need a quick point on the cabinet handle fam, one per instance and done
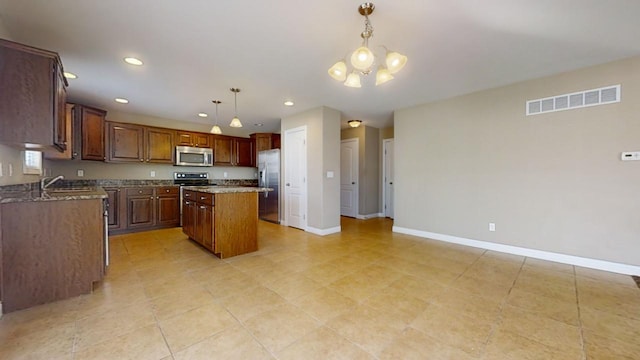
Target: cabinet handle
(151, 198)
(141, 159)
(167, 190)
(201, 197)
(187, 202)
(158, 197)
(139, 191)
(202, 207)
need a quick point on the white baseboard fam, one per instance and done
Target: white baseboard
(323, 232)
(369, 216)
(538, 254)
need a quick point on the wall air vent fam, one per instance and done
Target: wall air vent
(593, 97)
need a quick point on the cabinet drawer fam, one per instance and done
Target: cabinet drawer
(139, 191)
(189, 195)
(204, 198)
(167, 190)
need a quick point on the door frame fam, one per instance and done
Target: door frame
(285, 169)
(385, 144)
(357, 174)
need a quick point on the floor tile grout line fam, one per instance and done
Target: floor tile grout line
(582, 342)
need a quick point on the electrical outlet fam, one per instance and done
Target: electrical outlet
(152, 173)
(630, 156)
(0, 169)
(492, 227)
(80, 173)
(10, 169)
(225, 174)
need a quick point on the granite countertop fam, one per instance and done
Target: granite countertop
(52, 194)
(226, 189)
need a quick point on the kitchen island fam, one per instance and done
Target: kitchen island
(223, 219)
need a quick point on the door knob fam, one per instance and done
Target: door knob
(391, 183)
(288, 184)
(353, 183)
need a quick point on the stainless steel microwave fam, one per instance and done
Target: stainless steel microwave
(193, 156)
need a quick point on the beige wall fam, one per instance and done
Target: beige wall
(386, 133)
(323, 154)
(368, 167)
(552, 182)
(101, 170)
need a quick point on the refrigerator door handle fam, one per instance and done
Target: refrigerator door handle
(265, 180)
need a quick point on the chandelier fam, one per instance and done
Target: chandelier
(235, 122)
(216, 129)
(362, 60)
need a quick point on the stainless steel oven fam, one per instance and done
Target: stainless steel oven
(189, 179)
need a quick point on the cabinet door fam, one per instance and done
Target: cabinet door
(223, 153)
(90, 123)
(140, 208)
(68, 153)
(189, 218)
(125, 142)
(168, 206)
(114, 202)
(60, 134)
(184, 138)
(202, 140)
(204, 225)
(244, 152)
(160, 145)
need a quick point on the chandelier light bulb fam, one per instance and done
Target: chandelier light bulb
(353, 80)
(338, 71)
(383, 75)
(362, 58)
(395, 61)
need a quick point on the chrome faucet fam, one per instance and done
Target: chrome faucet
(44, 184)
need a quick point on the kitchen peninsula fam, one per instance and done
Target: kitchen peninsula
(222, 219)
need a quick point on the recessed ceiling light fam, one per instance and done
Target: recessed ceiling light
(259, 124)
(288, 103)
(133, 61)
(69, 75)
(202, 114)
(122, 100)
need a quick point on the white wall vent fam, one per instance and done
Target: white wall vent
(593, 97)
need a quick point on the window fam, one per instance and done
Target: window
(32, 162)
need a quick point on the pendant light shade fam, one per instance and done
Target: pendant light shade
(353, 80)
(395, 61)
(362, 58)
(235, 122)
(383, 75)
(216, 129)
(339, 71)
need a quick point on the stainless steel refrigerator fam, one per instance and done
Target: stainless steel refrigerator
(269, 176)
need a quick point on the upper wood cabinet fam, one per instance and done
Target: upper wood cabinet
(187, 138)
(233, 151)
(32, 105)
(265, 141)
(137, 143)
(88, 139)
(125, 142)
(223, 153)
(160, 145)
(68, 129)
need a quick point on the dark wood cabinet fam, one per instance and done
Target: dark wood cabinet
(140, 208)
(115, 203)
(160, 145)
(245, 154)
(233, 151)
(88, 139)
(196, 139)
(168, 206)
(189, 217)
(32, 105)
(143, 208)
(198, 218)
(137, 143)
(68, 128)
(264, 141)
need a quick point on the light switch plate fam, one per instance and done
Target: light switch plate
(630, 156)
(329, 174)
(80, 173)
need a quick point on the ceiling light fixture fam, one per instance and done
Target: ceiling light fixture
(288, 103)
(203, 115)
(235, 122)
(133, 61)
(362, 59)
(122, 100)
(69, 75)
(354, 123)
(216, 129)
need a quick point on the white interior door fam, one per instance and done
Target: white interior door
(295, 182)
(388, 177)
(349, 177)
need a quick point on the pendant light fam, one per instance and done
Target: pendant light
(235, 122)
(216, 129)
(363, 60)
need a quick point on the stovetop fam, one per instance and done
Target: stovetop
(191, 178)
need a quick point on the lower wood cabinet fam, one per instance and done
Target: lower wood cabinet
(51, 250)
(143, 208)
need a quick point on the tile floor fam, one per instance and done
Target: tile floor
(366, 293)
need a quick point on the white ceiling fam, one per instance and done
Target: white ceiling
(195, 50)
